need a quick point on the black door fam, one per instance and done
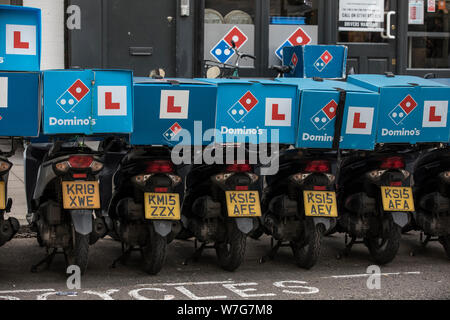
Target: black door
(372, 52)
(141, 35)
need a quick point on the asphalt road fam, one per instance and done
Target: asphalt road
(423, 276)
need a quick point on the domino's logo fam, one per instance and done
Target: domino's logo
(172, 132)
(298, 38)
(294, 61)
(323, 61)
(403, 110)
(243, 107)
(322, 118)
(73, 96)
(223, 50)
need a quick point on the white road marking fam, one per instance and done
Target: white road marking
(185, 283)
(362, 275)
(27, 291)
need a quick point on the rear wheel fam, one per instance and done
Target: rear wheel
(445, 241)
(307, 251)
(154, 252)
(231, 252)
(384, 249)
(79, 253)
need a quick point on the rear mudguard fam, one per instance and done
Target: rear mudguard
(163, 227)
(245, 225)
(82, 221)
(400, 218)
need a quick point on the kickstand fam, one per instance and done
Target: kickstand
(272, 253)
(348, 247)
(123, 257)
(197, 254)
(423, 244)
(47, 261)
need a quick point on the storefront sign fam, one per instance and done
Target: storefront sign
(361, 15)
(431, 7)
(416, 12)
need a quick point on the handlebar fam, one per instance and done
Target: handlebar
(281, 69)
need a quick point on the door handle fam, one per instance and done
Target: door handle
(388, 24)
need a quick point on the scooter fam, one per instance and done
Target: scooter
(221, 206)
(299, 204)
(66, 204)
(432, 195)
(375, 200)
(9, 227)
(145, 206)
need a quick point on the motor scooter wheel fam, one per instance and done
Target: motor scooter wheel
(231, 252)
(307, 251)
(384, 250)
(79, 253)
(445, 241)
(154, 252)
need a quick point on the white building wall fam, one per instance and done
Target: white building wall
(52, 32)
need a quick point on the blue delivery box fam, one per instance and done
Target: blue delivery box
(19, 104)
(20, 38)
(255, 111)
(328, 62)
(173, 111)
(320, 101)
(412, 109)
(87, 102)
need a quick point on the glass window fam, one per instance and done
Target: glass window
(365, 36)
(429, 34)
(228, 22)
(292, 22)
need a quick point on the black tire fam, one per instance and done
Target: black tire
(384, 250)
(79, 253)
(445, 241)
(256, 234)
(154, 252)
(307, 251)
(39, 239)
(185, 234)
(231, 252)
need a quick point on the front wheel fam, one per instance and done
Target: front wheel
(384, 249)
(307, 251)
(154, 252)
(79, 253)
(231, 252)
(445, 241)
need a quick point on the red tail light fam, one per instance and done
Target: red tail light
(393, 163)
(161, 190)
(321, 166)
(239, 168)
(159, 166)
(80, 162)
(396, 183)
(241, 188)
(320, 188)
(79, 175)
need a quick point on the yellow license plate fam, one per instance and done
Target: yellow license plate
(397, 199)
(243, 204)
(162, 206)
(2, 196)
(81, 195)
(320, 204)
